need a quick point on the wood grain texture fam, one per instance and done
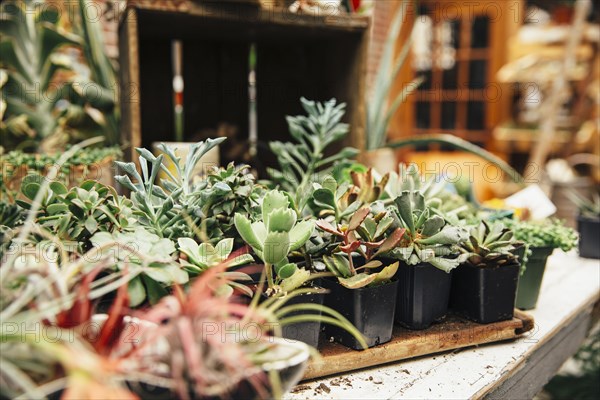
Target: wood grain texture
(453, 333)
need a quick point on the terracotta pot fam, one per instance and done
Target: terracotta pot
(382, 160)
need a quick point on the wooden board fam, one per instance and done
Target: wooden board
(453, 333)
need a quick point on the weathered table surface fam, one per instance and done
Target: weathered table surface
(513, 369)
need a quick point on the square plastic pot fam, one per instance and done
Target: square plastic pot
(369, 309)
(423, 295)
(589, 236)
(528, 289)
(307, 332)
(484, 295)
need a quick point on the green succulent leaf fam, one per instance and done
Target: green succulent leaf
(281, 220)
(357, 281)
(276, 247)
(300, 234)
(387, 273)
(244, 228)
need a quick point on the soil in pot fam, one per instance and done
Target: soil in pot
(528, 289)
(589, 236)
(423, 295)
(484, 295)
(369, 309)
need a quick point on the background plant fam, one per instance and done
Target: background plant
(547, 233)
(587, 207)
(379, 109)
(304, 162)
(165, 208)
(35, 114)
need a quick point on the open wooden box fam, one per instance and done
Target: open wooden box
(318, 57)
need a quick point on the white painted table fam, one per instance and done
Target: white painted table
(516, 369)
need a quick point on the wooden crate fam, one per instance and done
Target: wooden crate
(318, 57)
(453, 333)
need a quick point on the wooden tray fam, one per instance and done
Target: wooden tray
(453, 333)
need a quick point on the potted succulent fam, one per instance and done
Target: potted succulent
(588, 225)
(540, 238)
(364, 294)
(484, 287)
(429, 251)
(275, 234)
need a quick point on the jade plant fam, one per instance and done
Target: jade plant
(428, 237)
(490, 245)
(363, 235)
(304, 162)
(273, 236)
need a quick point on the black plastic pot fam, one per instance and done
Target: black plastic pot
(589, 236)
(528, 289)
(307, 332)
(484, 295)
(423, 295)
(369, 309)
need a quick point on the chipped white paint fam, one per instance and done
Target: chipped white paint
(571, 285)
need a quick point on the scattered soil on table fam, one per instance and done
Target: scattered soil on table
(300, 388)
(341, 381)
(322, 388)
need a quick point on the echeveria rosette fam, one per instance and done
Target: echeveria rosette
(428, 237)
(490, 245)
(273, 237)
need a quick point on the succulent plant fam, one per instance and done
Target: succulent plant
(587, 207)
(273, 236)
(490, 245)
(364, 235)
(201, 257)
(545, 233)
(165, 208)
(428, 237)
(155, 277)
(304, 162)
(223, 193)
(78, 213)
(31, 113)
